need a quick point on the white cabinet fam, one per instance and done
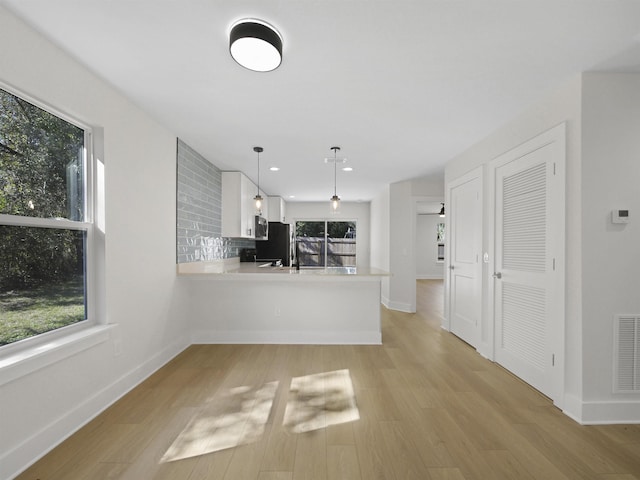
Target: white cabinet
(238, 207)
(277, 209)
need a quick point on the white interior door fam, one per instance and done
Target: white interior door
(465, 267)
(529, 276)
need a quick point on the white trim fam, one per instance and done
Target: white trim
(28, 360)
(20, 457)
(429, 277)
(39, 222)
(400, 306)
(572, 407)
(286, 337)
(602, 412)
(91, 261)
(555, 135)
(384, 301)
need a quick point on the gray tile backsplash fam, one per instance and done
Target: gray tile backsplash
(199, 210)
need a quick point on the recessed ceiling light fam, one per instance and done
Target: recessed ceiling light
(292, 196)
(255, 45)
(274, 169)
(347, 169)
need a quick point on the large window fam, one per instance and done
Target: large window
(44, 220)
(326, 243)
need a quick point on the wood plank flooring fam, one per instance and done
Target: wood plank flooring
(429, 408)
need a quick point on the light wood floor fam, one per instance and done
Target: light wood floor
(430, 408)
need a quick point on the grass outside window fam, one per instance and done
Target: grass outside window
(28, 312)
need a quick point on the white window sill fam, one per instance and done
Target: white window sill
(31, 359)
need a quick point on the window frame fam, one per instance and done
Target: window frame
(440, 242)
(326, 236)
(58, 335)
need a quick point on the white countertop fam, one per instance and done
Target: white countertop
(232, 267)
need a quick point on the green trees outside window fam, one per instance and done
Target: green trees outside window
(42, 191)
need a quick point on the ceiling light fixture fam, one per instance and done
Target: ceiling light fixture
(255, 45)
(335, 200)
(442, 210)
(258, 198)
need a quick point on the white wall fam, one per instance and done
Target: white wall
(358, 211)
(402, 264)
(403, 199)
(560, 105)
(610, 253)
(141, 294)
(602, 113)
(427, 264)
(563, 104)
(380, 237)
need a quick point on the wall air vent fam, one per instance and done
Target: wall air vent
(627, 353)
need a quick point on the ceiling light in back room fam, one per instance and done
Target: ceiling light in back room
(255, 45)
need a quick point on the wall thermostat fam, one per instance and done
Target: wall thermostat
(620, 216)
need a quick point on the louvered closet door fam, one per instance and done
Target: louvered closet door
(525, 268)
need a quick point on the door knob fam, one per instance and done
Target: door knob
(497, 275)
(451, 267)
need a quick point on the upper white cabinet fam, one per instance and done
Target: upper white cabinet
(277, 207)
(238, 207)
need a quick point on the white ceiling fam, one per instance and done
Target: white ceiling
(402, 86)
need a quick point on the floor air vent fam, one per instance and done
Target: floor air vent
(627, 354)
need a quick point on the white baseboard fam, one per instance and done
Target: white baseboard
(38, 445)
(401, 307)
(429, 277)
(603, 412)
(384, 301)
(286, 337)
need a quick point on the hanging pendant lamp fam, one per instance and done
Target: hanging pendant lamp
(335, 200)
(255, 45)
(258, 199)
(442, 211)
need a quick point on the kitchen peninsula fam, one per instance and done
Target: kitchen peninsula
(257, 303)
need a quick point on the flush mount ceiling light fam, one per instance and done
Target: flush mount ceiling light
(258, 198)
(255, 45)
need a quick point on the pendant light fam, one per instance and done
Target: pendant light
(442, 211)
(258, 199)
(255, 45)
(335, 200)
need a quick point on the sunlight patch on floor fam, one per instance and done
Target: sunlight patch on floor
(238, 418)
(319, 401)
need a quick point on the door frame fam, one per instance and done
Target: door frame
(556, 135)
